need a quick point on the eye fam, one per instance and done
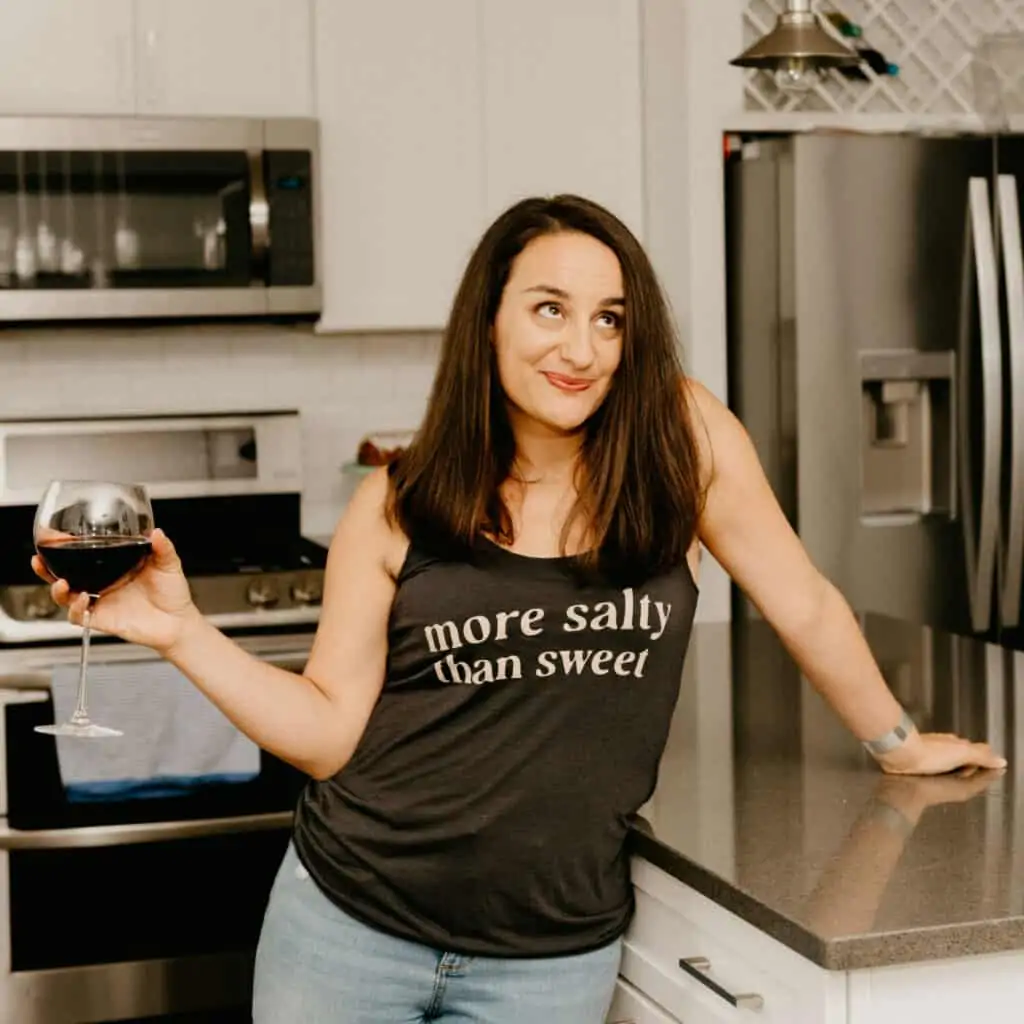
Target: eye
(610, 320)
(550, 310)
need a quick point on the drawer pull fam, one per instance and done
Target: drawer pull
(699, 966)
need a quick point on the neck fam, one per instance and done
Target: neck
(543, 454)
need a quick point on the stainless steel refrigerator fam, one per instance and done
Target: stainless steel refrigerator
(876, 356)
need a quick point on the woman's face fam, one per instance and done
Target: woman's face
(558, 330)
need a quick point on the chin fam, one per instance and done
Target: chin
(564, 421)
(561, 416)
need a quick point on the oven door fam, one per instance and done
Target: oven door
(130, 910)
(116, 217)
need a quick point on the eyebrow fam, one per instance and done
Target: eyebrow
(559, 293)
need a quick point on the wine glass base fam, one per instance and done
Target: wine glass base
(89, 731)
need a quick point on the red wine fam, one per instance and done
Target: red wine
(91, 564)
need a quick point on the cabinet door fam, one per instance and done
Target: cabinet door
(66, 57)
(978, 988)
(400, 120)
(564, 102)
(630, 1006)
(246, 58)
(727, 957)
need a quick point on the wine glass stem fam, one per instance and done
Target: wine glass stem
(80, 716)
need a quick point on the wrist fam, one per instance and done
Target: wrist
(192, 623)
(904, 756)
(892, 742)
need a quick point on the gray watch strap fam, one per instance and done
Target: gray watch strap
(891, 740)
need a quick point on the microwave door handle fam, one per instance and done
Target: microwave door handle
(980, 538)
(1013, 270)
(259, 218)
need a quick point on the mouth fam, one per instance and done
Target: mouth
(564, 383)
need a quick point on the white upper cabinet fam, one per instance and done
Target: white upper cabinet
(67, 57)
(564, 102)
(402, 163)
(245, 58)
(187, 57)
(436, 116)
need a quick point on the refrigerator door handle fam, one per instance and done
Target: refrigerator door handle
(981, 537)
(1013, 270)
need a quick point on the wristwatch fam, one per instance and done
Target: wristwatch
(893, 739)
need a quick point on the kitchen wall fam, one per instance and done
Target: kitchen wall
(343, 385)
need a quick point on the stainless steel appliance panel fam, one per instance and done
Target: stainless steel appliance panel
(847, 265)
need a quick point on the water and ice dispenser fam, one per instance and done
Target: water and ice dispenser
(908, 441)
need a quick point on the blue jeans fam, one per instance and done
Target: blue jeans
(317, 965)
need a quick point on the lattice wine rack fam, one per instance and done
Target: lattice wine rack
(948, 63)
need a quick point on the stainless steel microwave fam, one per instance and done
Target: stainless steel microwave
(110, 217)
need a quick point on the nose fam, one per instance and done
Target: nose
(577, 347)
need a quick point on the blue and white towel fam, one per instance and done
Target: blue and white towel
(175, 740)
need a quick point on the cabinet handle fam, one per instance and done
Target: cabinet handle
(699, 966)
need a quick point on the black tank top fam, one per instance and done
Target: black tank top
(522, 719)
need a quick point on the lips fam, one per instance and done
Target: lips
(565, 383)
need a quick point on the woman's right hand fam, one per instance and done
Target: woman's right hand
(151, 608)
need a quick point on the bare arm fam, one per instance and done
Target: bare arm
(747, 532)
(314, 720)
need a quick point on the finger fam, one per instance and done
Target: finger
(60, 592)
(164, 554)
(986, 757)
(39, 568)
(979, 755)
(77, 608)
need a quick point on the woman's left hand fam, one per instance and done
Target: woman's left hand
(935, 753)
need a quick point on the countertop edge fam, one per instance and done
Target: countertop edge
(850, 953)
(730, 898)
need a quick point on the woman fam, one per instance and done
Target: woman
(503, 629)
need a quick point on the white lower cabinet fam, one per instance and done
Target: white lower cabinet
(632, 1007)
(742, 976)
(987, 989)
(737, 973)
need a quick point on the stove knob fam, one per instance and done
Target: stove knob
(261, 595)
(39, 606)
(309, 592)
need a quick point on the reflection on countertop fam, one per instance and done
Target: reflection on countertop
(767, 805)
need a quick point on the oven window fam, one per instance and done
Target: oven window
(36, 798)
(125, 220)
(111, 904)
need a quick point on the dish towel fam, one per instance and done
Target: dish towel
(175, 740)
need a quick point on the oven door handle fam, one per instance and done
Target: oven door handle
(143, 832)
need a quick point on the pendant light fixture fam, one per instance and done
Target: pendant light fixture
(797, 49)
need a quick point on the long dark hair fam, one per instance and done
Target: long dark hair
(639, 482)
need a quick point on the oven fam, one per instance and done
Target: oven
(106, 217)
(146, 907)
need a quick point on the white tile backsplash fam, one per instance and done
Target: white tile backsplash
(344, 386)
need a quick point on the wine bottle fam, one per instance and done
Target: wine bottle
(843, 25)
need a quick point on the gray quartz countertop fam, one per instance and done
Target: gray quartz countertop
(766, 805)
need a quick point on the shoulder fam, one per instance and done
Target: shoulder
(367, 522)
(709, 420)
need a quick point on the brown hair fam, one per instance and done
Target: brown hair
(639, 485)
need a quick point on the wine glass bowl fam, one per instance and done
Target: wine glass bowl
(92, 534)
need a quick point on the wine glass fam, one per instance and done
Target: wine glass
(92, 534)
